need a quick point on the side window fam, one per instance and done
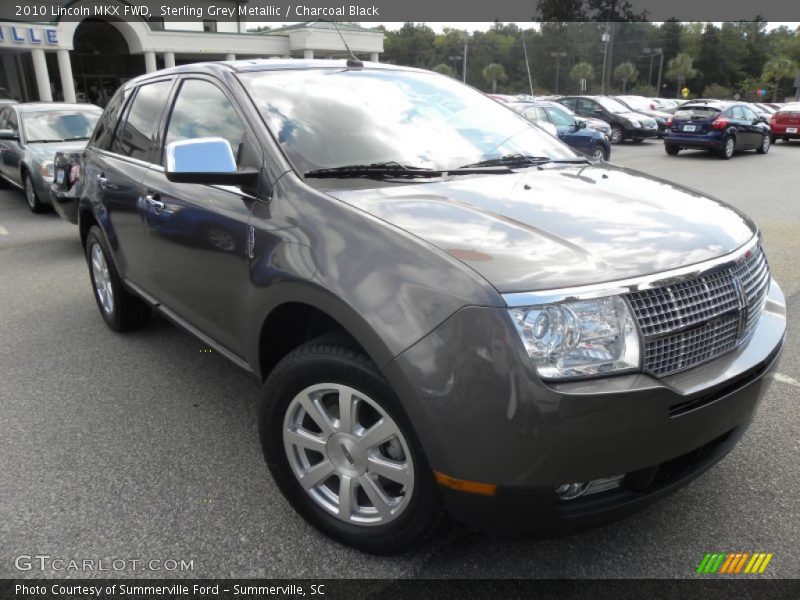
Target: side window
(736, 112)
(104, 132)
(12, 123)
(4, 117)
(559, 118)
(569, 103)
(534, 113)
(748, 114)
(135, 135)
(586, 105)
(203, 110)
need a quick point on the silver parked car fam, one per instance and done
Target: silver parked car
(30, 136)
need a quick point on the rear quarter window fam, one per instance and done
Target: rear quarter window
(104, 132)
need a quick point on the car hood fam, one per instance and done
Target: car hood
(559, 225)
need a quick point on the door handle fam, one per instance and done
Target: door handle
(102, 181)
(153, 201)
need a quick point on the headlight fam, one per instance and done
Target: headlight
(635, 122)
(579, 338)
(46, 169)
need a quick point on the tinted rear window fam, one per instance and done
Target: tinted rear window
(695, 112)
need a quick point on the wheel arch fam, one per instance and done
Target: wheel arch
(299, 314)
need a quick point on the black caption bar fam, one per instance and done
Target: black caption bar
(407, 10)
(406, 589)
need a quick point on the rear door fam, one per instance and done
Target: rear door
(113, 177)
(200, 232)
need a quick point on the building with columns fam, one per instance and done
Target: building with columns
(87, 60)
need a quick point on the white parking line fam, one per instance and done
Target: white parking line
(786, 379)
(3, 230)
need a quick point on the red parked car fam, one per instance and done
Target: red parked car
(785, 124)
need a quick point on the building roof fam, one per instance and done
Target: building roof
(319, 25)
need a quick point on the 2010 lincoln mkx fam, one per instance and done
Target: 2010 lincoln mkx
(450, 310)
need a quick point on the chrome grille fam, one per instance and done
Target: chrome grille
(694, 321)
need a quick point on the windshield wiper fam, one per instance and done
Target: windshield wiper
(395, 170)
(44, 141)
(523, 160)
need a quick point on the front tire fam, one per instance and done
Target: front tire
(763, 148)
(342, 450)
(31, 196)
(120, 309)
(599, 154)
(617, 134)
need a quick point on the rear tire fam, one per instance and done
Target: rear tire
(303, 436)
(763, 148)
(728, 148)
(120, 309)
(672, 149)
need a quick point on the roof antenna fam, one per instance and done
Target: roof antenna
(353, 60)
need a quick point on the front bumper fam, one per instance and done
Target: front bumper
(483, 415)
(643, 133)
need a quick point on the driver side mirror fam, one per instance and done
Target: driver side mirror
(205, 160)
(9, 134)
(578, 125)
(597, 111)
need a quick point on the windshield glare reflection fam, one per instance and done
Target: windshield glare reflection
(326, 118)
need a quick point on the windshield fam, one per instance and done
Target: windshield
(325, 118)
(612, 105)
(59, 126)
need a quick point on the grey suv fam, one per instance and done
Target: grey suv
(447, 307)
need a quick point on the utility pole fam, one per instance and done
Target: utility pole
(558, 56)
(606, 36)
(660, 68)
(464, 66)
(527, 64)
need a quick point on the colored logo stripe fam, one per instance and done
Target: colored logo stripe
(734, 562)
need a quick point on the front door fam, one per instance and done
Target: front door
(199, 233)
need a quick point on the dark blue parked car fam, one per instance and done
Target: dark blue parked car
(722, 127)
(571, 131)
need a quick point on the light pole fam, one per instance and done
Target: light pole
(558, 56)
(660, 67)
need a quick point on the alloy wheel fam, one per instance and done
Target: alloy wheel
(765, 144)
(598, 154)
(616, 135)
(730, 145)
(348, 454)
(102, 280)
(30, 193)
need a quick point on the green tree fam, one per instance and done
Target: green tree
(583, 70)
(625, 72)
(776, 69)
(493, 73)
(717, 91)
(444, 69)
(680, 69)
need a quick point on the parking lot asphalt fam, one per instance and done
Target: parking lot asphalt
(142, 446)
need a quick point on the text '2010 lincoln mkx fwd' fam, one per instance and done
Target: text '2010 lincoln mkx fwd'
(450, 310)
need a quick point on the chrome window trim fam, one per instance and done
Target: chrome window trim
(633, 284)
